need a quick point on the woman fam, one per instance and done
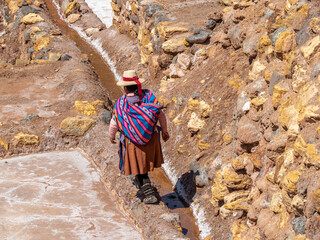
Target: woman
(136, 114)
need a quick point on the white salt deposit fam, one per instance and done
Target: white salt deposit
(103, 10)
(58, 195)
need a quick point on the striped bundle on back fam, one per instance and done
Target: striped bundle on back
(137, 121)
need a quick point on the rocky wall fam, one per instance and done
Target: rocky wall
(240, 83)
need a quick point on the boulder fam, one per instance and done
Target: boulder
(219, 190)
(210, 24)
(175, 71)
(315, 73)
(72, 7)
(175, 45)
(72, 18)
(184, 61)
(234, 180)
(290, 180)
(32, 18)
(76, 126)
(299, 225)
(235, 36)
(53, 57)
(106, 116)
(250, 46)
(276, 34)
(152, 8)
(274, 80)
(41, 43)
(311, 47)
(195, 123)
(285, 43)
(85, 108)
(197, 38)
(164, 60)
(247, 132)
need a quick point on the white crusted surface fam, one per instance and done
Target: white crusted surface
(57, 195)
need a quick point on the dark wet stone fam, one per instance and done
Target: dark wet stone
(210, 24)
(134, 18)
(152, 9)
(106, 116)
(275, 79)
(196, 95)
(198, 38)
(30, 50)
(25, 10)
(299, 224)
(316, 70)
(160, 17)
(29, 117)
(65, 57)
(276, 34)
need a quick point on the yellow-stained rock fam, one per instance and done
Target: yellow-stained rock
(276, 204)
(234, 180)
(32, 18)
(284, 219)
(193, 104)
(41, 43)
(264, 42)
(300, 237)
(267, 75)
(239, 162)
(75, 126)
(299, 78)
(290, 181)
(235, 82)
(115, 7)
(72, 7)
(174, 45)
(4, 144)
(285, 43)
(227, 139)
(311, 47)
(84, 107)
(33, 31)
(312, 156)
(26, 139)
(256, 70)
(53, 57)
(258, 101)
(237, 227)
(240, 204)
(300, 146)
(203, 145)
(315, 25)
(278, 92)
(168, 29)
(144, 57)
(205, 109)
(195, 123)
(315, 197)
(219, 189)
(145, 38)
(289, 64)
(231, 197)
(298, 204)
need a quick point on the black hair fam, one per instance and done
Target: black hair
(133, 89)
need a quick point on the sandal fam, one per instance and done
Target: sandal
(149, 193)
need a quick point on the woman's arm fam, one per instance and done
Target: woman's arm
(163, 124)
(113, 128)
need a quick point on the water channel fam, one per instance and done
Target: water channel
(108, 81)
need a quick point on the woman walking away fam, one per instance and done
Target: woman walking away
(136, 114)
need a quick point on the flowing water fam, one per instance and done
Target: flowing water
(107, 79)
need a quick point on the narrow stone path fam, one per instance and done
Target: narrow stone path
(57, 195)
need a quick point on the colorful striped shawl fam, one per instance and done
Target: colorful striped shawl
(138, 122)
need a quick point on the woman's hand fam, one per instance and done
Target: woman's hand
(165, 136)
(112, 140)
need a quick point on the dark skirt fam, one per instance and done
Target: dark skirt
(140, 159)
